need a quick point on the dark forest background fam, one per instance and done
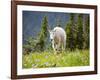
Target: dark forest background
(36, 36)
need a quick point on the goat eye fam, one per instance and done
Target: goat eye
(51, 39)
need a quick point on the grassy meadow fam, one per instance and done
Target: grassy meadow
(47, 59)
(37, 45)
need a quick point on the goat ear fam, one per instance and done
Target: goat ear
(54, 30)
(48, 28)
(49, 31)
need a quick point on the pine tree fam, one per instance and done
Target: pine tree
(80, 32)
(42, 38)
(68, 32)
(87, 32)
(70, 42)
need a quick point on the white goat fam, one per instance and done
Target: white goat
(58, 38)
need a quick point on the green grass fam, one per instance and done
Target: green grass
(49, 59)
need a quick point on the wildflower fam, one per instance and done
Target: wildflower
(37, 60)
(46, 63)
(46, 56)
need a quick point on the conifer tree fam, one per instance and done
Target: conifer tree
(87, 31)
(42, 38)
(80, 32)
(70, 33)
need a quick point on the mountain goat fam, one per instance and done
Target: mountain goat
(58, 38)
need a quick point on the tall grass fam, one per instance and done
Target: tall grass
(49, 59)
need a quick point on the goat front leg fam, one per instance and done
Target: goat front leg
(53, 46)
